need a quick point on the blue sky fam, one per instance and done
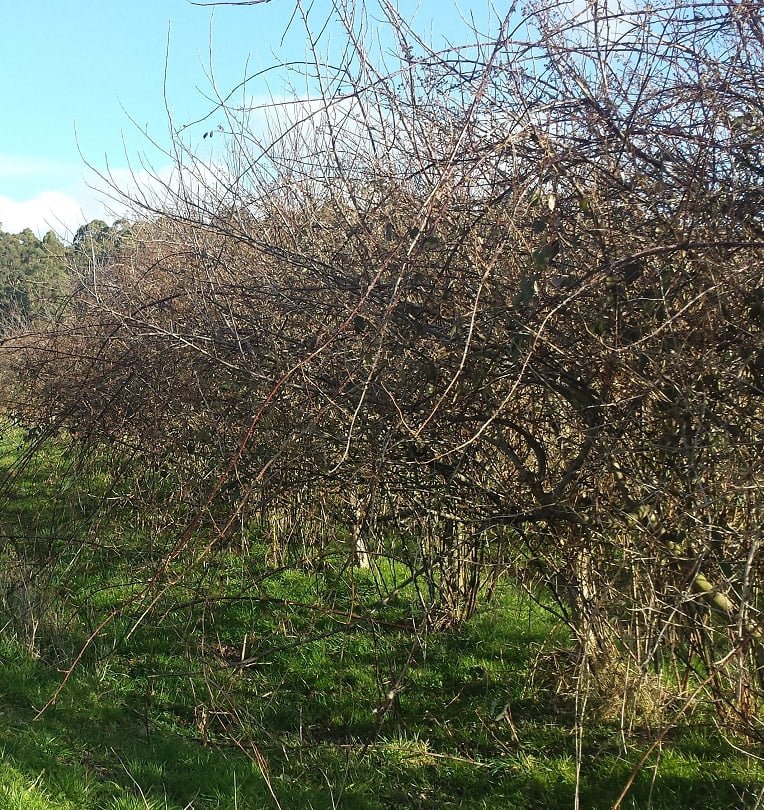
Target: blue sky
(85, 81)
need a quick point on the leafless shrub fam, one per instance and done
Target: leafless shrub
(504, 300)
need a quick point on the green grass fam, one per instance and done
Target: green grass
(152, 726)
(331, 713)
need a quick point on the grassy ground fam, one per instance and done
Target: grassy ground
(331, 709)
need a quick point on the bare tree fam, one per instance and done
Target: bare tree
(491, 309)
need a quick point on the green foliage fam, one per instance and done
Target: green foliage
(555, 375)
(33, 274)
(36, 275)
(96, 242)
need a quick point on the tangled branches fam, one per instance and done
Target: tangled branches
(496, 310)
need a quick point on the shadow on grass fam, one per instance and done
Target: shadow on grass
(156, 725)
(328, 715)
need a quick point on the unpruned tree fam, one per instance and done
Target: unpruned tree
(490, 310)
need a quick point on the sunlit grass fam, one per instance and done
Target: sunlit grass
(342, 701)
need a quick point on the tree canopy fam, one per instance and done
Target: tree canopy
(33, 274)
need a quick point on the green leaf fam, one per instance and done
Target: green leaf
(544, 255)
(526, 291)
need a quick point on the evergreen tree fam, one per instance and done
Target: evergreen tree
(33, 274)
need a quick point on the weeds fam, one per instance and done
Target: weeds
(249, 685)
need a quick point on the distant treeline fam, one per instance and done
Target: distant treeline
(36, 275)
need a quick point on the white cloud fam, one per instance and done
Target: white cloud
(49, 210)
(61, 197)
(607, 22)
(146, 191)
(65, 205)
(43, 194)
